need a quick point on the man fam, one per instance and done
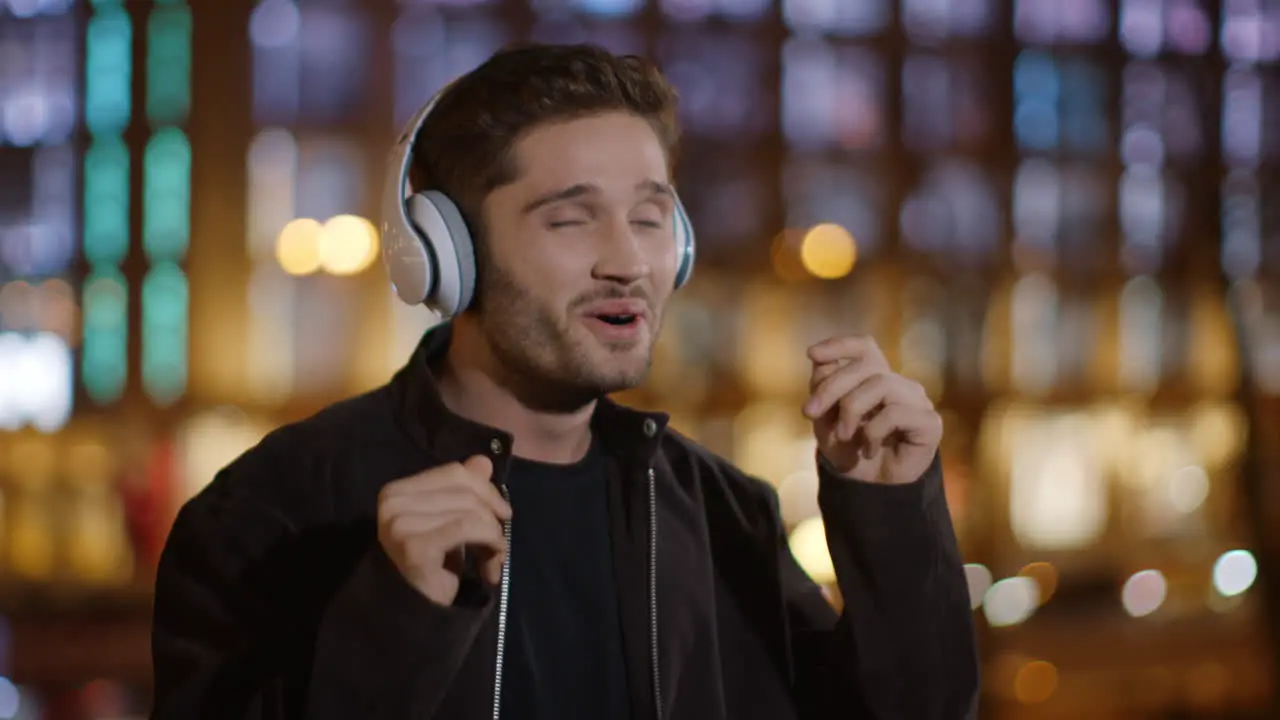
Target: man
(489, 536)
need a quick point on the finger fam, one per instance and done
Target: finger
(822, 371)
(479, 465)
(416, 531)
(475, 529)
(836, 386)
(852, 347)
(480, 471)
(493, 568)
(912, 424)
(877, 391)
(454, 475)
(441, 505)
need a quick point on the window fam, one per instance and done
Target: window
(166, 205)
(166, 219)
(1141, 344)
(1149, 26)
(726, 196)
(1150, 205)
(430, 51)
(165, 303)
(832, 96)
(311, 62)
(946, 104)
(837, 16)
(331, 177)
(1250, 116)
(931, 20)
(1060, 215)
(694, 10)
(39, 173)
(1241, 225)
(169, 63)
(1053, 21)
(275, 30)
(38, 81)
(1059, 103)
(599, 8)
(334, 52)
(104, 357)
(1034, 325)
(953, 212)
(1250, 30)
(621, 37)
(719, 78)
(272, 190)
(1160, 115)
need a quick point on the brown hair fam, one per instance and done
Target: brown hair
(465, 146)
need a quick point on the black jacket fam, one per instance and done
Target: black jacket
(274, 599)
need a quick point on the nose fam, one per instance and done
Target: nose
(622, 259)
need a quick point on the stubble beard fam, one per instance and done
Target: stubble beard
(538, 356)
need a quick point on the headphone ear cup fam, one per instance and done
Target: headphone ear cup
(447, 240)
(686, 244)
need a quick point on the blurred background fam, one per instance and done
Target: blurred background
(1061, 216)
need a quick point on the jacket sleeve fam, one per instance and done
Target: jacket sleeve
(904, 646)
(230, 642)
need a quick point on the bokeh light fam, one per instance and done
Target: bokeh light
(978, 578)
(298, 246)
(1234, 572)
(10, 699)
(1187, 489)
(828, 251)
(1035, 682)
(1046, 577)
(809, 546)
(1144, 592)
(1011, 601)
(348, 244)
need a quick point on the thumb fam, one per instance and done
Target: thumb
(479, 465)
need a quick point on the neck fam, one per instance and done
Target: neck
(474, 385)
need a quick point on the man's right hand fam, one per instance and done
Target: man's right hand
(425, 520)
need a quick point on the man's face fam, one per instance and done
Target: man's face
(579, 257)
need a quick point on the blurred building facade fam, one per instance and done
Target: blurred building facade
(1062, 218)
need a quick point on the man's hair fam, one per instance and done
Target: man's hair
(465, 146)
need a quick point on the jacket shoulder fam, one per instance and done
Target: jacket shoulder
(721, 484)
(287, 473)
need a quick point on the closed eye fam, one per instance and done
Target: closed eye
(649, 224)
(564, 224)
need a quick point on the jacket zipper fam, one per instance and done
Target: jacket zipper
(653, 597)
(505, 594)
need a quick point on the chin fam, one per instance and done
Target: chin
(615, 374)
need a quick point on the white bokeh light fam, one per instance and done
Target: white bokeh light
(36, 378)
(1144, 592)
(978, 578)
(1011, 601)
(1187, 489)
(1234, 572)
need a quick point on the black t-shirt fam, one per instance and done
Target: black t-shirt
(563, 656)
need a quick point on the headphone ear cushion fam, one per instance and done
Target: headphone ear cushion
(686, 245)
(440, 223)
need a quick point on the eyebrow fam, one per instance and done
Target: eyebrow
(649, 187)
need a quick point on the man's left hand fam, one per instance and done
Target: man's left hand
(871, 423)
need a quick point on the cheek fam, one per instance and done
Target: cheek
(662, 258)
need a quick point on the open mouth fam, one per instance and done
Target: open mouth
(618, 320)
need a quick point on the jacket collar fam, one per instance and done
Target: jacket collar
(624, 432)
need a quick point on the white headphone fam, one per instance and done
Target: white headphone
(427, 248)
